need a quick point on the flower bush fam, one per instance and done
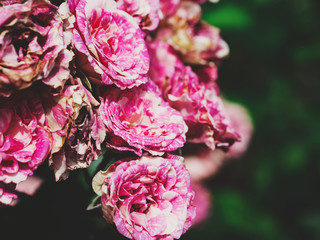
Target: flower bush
(129, 84)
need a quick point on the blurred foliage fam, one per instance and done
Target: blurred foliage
(273, 191)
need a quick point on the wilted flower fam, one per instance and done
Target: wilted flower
(148, 198)
(24, 140)
(76, 127)
(32, 46)
(138, 119)
(198, 102)
(110, 44)
(146, 12)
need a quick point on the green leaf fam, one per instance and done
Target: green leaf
(238, 214)
(228, 17)
(93, 168)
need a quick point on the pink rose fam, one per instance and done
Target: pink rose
(208, 75)
(197, 42)
(241, 121)
(186, 15)
(138, 119)
(76, 127)
(168, 7)
(9, 2)
(110, 44)
(24, 140)
(197, 101)
(163, 64)
(202, 162)
(208, 122)
(32, 46)
(202, 202)
(148, 198)
(146, 12)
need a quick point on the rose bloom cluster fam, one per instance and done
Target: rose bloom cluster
(137, 78)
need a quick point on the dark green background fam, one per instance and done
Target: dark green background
(273, 191)
(274, 70)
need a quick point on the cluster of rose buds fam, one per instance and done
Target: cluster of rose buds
(131, 76)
